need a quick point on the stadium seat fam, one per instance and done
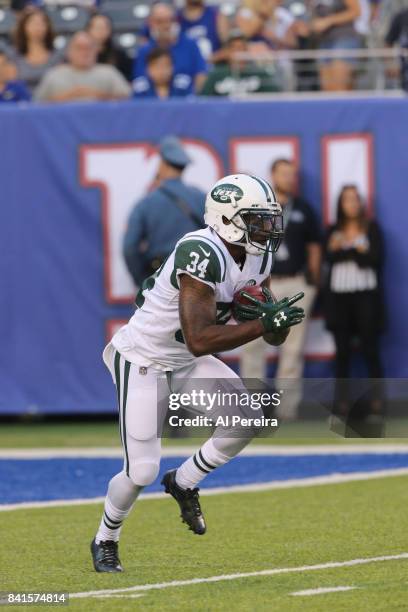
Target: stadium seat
(126, 16)
(296, 7)
(7, 22)
(68, 19)
(229, 9)
(60, 42)
(127, 41)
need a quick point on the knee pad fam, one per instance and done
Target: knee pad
(143, 472)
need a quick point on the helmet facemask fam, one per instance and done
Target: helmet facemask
(263, 230)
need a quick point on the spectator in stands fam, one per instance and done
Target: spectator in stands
(398, 35)
(268, 23)
(10, 90)
(159, 81)
(148, 240)
(296, 268)
(82, 78)
(189, 65)
(100, 28)
(238, 76)
(205, 24)
(333, 28)
(34, 46)
(354, 305)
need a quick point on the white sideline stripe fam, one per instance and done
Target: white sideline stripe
(223, 577)
(111, 596)
(183, 451)
(322, 590)
(248, 488)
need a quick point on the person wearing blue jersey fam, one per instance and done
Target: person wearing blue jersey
(159, 82)
(190, 67)
(10, 91)
(204, 24)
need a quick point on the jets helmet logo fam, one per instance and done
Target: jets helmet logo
(226, 193)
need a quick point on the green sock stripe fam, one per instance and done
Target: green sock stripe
(125, 392)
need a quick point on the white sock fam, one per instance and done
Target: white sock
(122, 493)
(203, 462)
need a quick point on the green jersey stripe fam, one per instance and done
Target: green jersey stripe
(117, 376)
(125, 392)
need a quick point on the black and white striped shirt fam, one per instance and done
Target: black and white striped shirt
(349, 277)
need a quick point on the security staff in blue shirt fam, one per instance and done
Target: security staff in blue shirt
(190, 68)
(160, 219)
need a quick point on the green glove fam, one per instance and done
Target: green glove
(275, 316)
(243, 313)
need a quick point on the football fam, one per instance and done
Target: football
(255, 291)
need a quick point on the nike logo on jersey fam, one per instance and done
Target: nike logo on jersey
(205, 252)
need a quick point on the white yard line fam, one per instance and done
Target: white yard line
(183, 451)
(322, 590)
(248, 488)
(222, 578)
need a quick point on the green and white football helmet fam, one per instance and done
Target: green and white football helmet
(243, 210)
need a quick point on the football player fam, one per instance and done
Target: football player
(174, 332)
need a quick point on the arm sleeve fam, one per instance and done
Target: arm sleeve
(131, 242)
(199, 260)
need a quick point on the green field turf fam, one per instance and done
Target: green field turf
(47, 549)
(85, 435)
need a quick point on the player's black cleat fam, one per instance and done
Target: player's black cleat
(188, 500)
(105, 556)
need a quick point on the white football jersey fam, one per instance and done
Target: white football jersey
(154, 334)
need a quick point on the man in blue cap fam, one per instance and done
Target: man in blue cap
(161, 218)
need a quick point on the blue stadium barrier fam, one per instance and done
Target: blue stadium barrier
(54, 313)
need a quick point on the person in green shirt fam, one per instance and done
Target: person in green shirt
(239, 76)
